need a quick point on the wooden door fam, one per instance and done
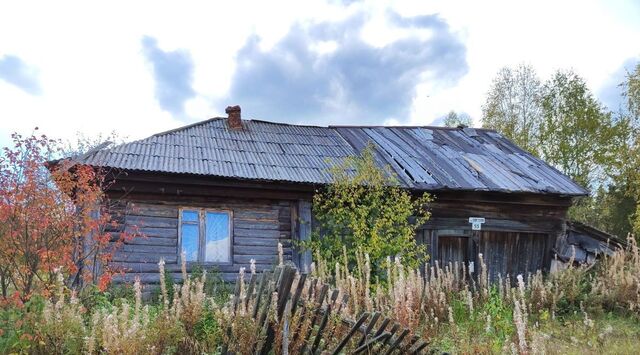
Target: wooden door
(453, 249)
(514, 253)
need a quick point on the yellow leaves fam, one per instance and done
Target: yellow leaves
(365, 209)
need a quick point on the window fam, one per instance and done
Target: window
(205, 235)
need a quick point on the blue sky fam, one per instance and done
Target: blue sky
(145, 67)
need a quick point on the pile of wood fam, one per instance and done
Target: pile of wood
(309, 319)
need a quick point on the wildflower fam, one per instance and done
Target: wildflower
(183, 265)
(521, 286)
(521, 326)
(138, 290)
(163, 285)
(487, 327)
(588, 322)
(252, 266)
(470, 301)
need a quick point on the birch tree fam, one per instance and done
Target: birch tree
(513, 106)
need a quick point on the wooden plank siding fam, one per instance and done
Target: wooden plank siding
(258, 226)
(452, 249)
(265, 213)
(513, 253)
(518, 236)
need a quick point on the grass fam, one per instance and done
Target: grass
(580, 310)
(607, 334)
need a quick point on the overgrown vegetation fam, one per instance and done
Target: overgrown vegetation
(460, 311)
(578, 309)
(365, 210)
(53, 216)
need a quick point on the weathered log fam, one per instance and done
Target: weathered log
(258, 250)
(153, 231)
(256, 233)
(120, 256)
(144, 248)
(153, 210)
(155, 222)
(264, 242)
(257, 225)
(143, 240)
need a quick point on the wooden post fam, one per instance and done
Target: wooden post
(88, 243)
(434, 246)
(304, 233)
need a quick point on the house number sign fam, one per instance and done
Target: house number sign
(476, 223)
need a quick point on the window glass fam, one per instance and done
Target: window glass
(217, 241)
(190, 240)
(189, 216)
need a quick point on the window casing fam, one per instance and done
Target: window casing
(206, 235)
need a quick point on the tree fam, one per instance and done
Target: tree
(364, 210)
(577, 134)
(82, 143)
(454, 120)
(589, 144)
(53, 217)
(631, 91)
(630, 164)
(513, 106)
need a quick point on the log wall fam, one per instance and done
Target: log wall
(518, 236)
(258, 226)
(265, 213)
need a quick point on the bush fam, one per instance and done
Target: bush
(365, 210)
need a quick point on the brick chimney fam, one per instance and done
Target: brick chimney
(235, 119)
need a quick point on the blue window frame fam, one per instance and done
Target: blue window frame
(205, 235)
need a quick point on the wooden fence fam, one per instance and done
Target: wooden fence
(309, 320)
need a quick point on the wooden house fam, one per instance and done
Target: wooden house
(228, 190)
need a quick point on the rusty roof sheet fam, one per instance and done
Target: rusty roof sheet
(424, 158)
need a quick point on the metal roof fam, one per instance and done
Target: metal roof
(424, 158)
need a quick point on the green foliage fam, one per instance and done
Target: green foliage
(577, 134)
(17, 325)
(488, 336)
(630, 172)
(501, 315)
(170, 284)
(631, 88)
(454, 120)
(609, 334)
(513, 106)
(92, 297)
(610, 208)
(208, 330)
(365, 210)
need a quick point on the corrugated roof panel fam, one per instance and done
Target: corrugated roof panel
(429, 158)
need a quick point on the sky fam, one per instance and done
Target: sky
(138, 68)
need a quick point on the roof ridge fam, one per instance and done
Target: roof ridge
(284, 123)
(372, 126)
(100, 148)
(185, 127)
(414, 126)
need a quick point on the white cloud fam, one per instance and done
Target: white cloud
(93, 77)
(591, 37)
